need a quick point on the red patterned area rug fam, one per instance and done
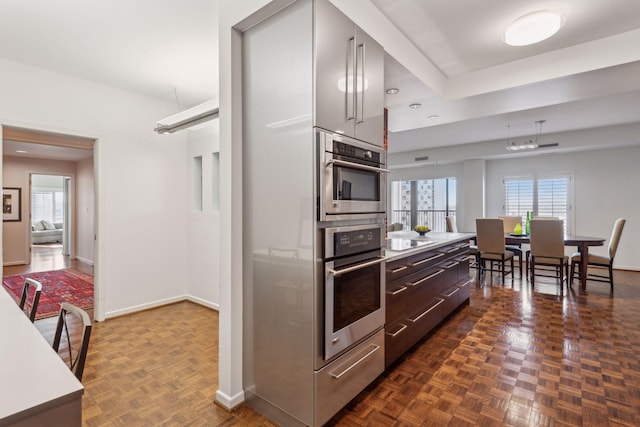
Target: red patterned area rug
(58, 286)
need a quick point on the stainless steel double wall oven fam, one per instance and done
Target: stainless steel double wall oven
(351, 191)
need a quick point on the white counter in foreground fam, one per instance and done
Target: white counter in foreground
(38, 389)
(432, 240)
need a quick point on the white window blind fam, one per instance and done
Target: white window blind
(47, 205)
(544, 195)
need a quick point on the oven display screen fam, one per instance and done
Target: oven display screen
(350, 242)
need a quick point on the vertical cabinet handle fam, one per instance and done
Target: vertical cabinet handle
(350, 80)
(360, 81)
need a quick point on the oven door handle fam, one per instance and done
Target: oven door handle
(356, 166)
(355, 267)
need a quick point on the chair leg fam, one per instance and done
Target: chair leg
(611, 276)
(532, 272)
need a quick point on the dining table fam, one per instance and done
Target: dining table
(581, 242)
(38, 388)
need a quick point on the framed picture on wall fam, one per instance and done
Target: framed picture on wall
(11, 204)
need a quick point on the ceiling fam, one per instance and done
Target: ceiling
(446, 55)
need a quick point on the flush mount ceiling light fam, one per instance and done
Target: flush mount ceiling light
(392, 91)
(532, 28)
(433, 117)
(415, 106)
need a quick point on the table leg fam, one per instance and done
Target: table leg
(584, 262)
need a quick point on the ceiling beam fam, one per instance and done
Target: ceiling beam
(10, 133)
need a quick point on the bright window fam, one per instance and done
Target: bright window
(423, 202)
(47, 205)
(544, 195)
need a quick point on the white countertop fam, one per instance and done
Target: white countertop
(33, 377)
(435, 240)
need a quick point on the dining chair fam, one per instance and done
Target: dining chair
(396, 226)
(509, 223)
(491, 246)
(527, 255)
(547, 248)
(75, 322)
(34, 288)
(452, 227)
(599, 260)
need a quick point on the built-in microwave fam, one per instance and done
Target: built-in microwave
(352, 178)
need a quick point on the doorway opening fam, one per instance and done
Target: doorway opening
(55, 173)
(50, 222)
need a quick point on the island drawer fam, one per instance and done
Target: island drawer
(396, 341)
(422, 287)
(396, 269)
(396, 300)
(424, 321)
(424, 260)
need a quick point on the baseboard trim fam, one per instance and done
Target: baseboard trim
(203, 302)
(9, 263)
(160, 303)
(84, 260)
(142, 307)
(229, 402)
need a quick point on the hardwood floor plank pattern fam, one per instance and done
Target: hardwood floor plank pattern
(512, 357)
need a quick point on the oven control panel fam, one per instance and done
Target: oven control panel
(342, 241)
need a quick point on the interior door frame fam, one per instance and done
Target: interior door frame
(98, 249)
(68, 232)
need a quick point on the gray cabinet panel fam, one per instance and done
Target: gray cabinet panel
(349, 77)
(334, 56)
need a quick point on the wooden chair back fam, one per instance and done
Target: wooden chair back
(71, 320)
(547, 238)
(34, 288)
(451, 225)
(509, 222)
(615, 237)
(490, 235)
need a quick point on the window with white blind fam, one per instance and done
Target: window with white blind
(544, 195)
(48, 205)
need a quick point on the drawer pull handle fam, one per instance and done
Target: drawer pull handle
(451, 293)
(440, 301)
(463, 258)
(373, 349)
(465, 284)
(394, 293)
(452, 250)
(453, 264)
(394, 271)
(426, 260)
(425, 278)
(395, 334)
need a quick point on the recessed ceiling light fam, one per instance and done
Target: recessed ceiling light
(433, 117)
(392, 91)
(415, 106)
(21, 151)
(532, 28)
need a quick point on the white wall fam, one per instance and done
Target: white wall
(204, 224)
(85, 210)
(605, 188)
(141, 179)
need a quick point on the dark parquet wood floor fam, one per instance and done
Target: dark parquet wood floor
(513, 357)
